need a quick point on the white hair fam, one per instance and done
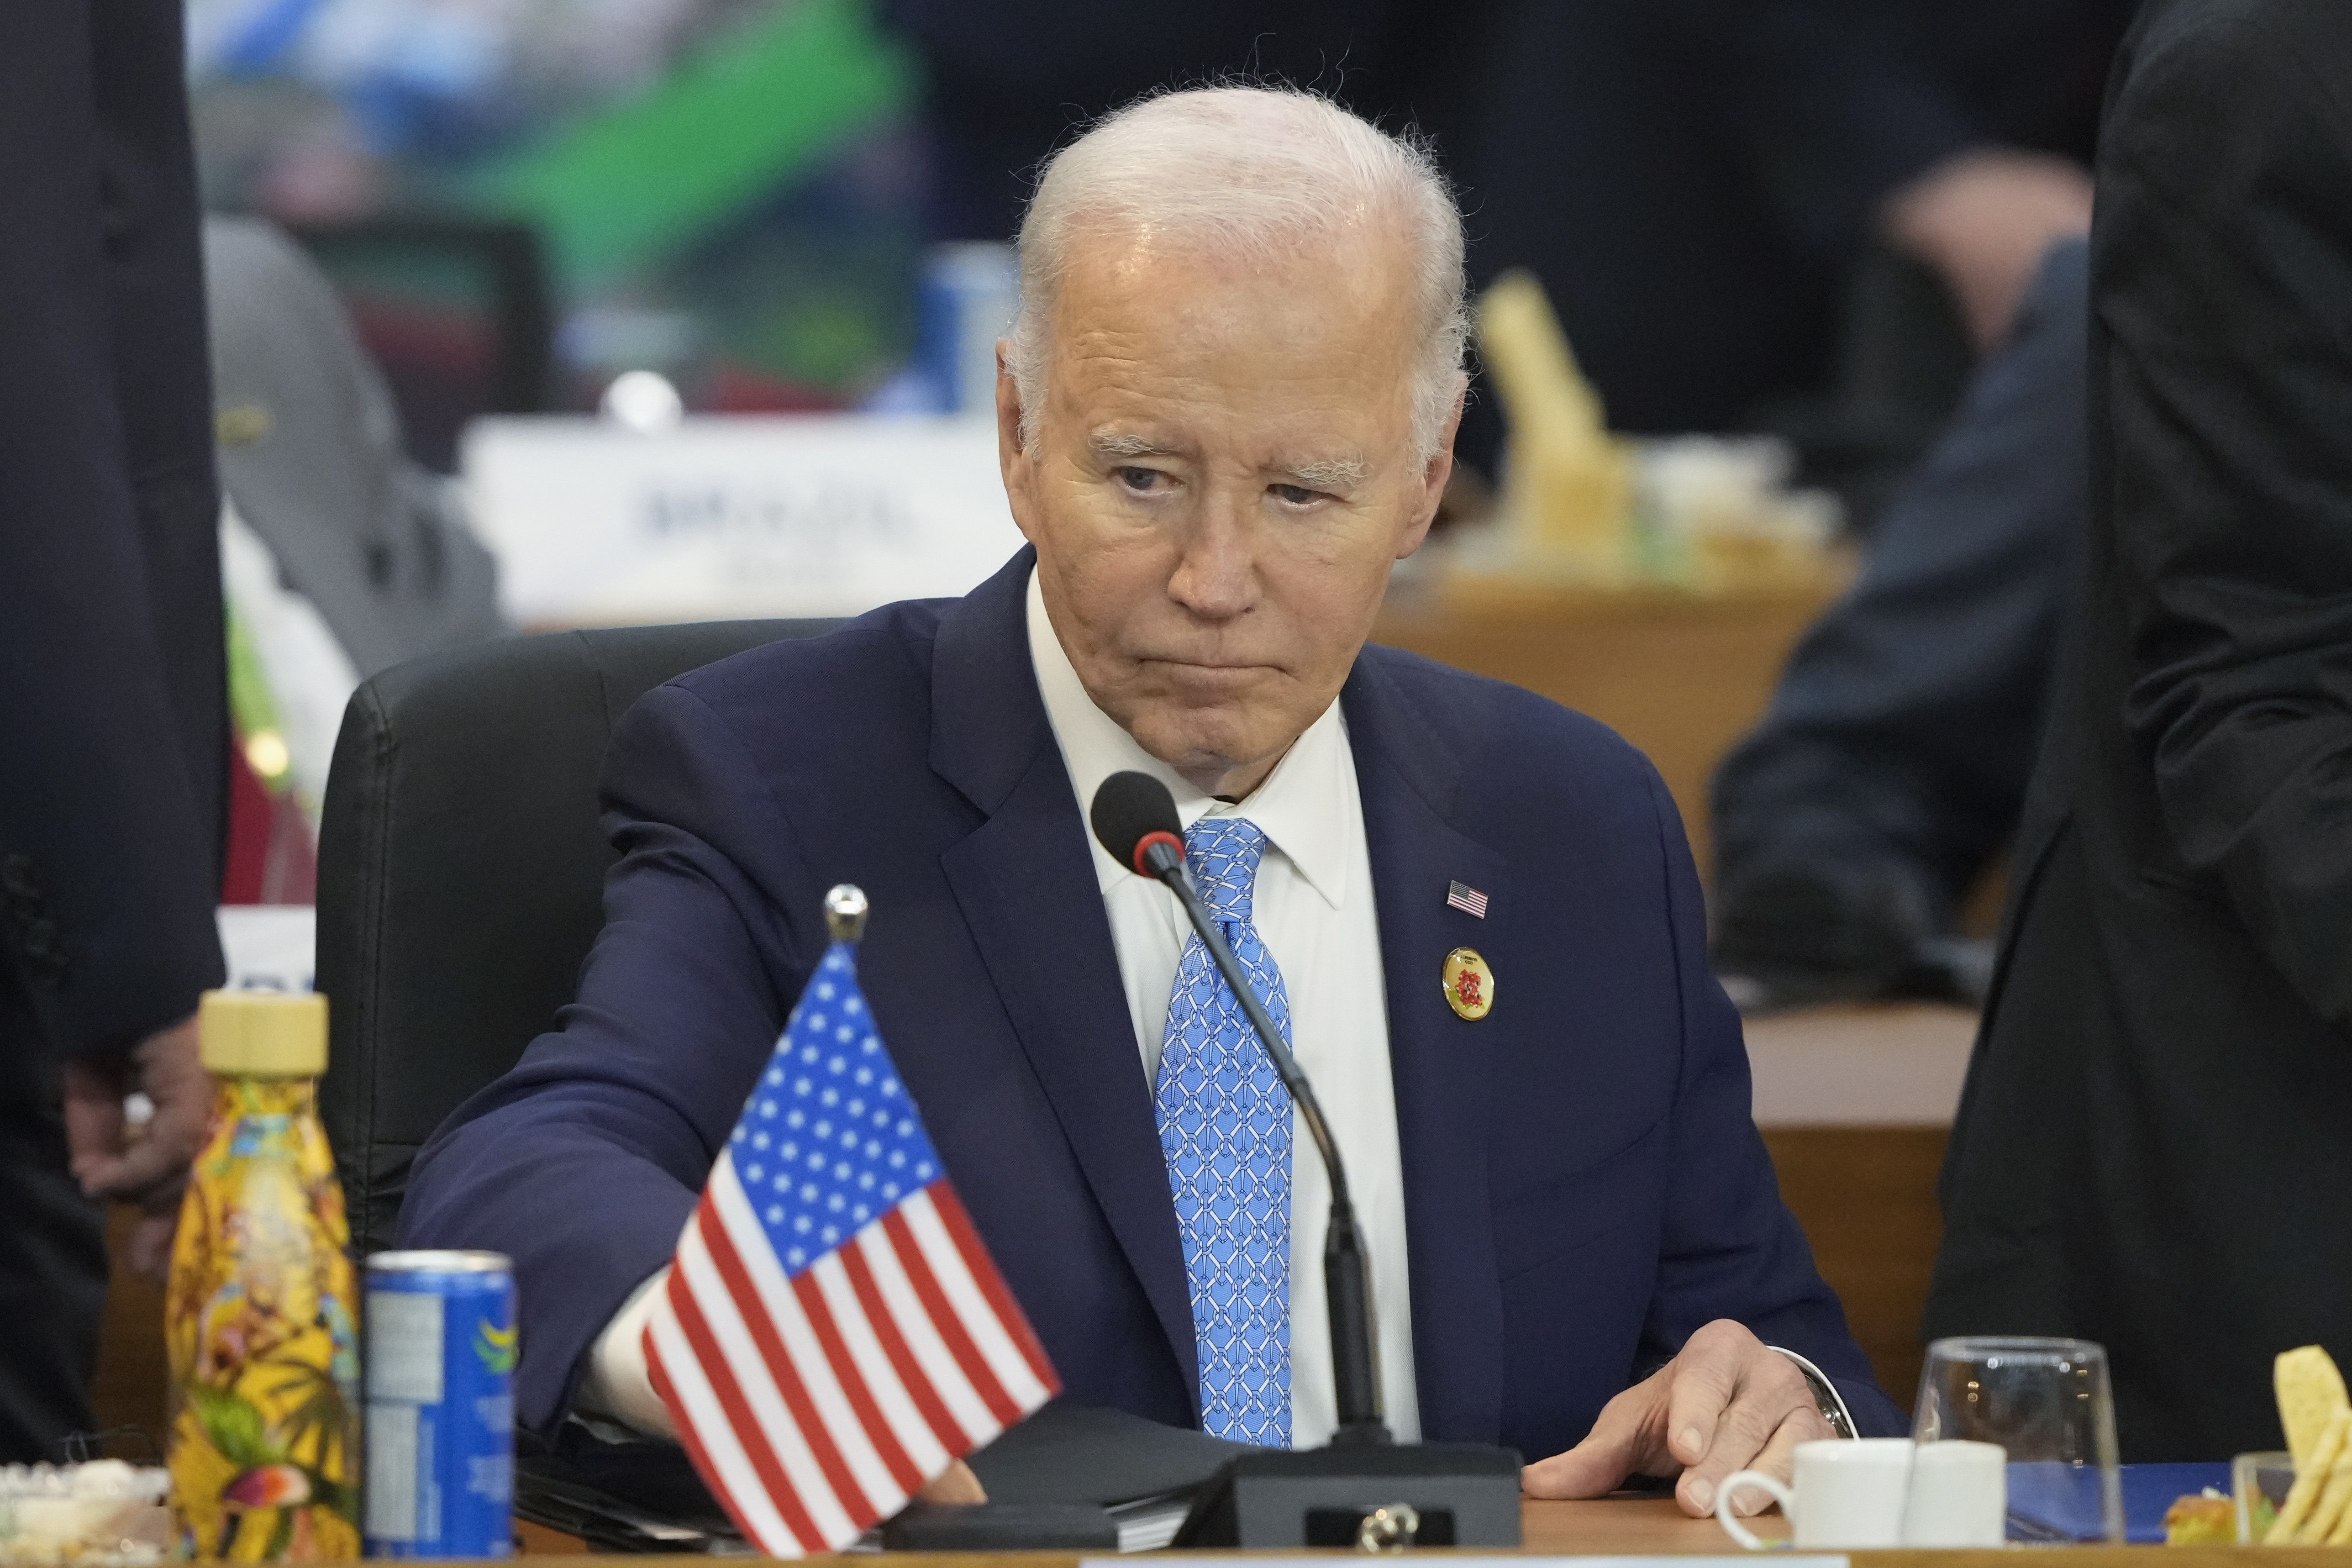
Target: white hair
(1252, 172)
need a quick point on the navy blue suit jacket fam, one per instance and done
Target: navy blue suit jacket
(1583, 1183)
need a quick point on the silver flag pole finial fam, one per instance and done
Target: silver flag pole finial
(845, 912)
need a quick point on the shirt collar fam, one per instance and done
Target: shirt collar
(1301, 807)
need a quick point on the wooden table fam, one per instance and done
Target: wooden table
(1631, 1527)
(1647, 1526)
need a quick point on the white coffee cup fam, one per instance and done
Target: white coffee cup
(1958, 1495)
(1849, 1494)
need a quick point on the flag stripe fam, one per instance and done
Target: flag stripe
(911, 1435)
(710, 1442)
(769, 1302)
(775, 1383)
(945, 1319)
(792, 1480)
(974, 1313)
(1002, 1305)
(880, 1441)
(921, 1332)
(944, 1428)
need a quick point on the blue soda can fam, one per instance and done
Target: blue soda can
(439, 1365)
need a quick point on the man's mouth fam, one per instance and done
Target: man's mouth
(1208, 669)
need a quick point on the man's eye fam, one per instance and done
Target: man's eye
(1142, 478)
(1295, 495)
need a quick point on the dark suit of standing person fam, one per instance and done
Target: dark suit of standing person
(112, 727)
(2152, 1147)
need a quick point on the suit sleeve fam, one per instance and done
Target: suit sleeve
(1730, 1248)
(112, 694)
(1903, 726)
(632, 1095)
(2223, 287)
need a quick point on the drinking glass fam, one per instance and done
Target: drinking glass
(2259, 1484)
(2047, 1403)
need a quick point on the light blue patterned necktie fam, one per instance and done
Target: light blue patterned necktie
(1225, 1127)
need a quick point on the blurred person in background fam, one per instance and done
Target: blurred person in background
(1851, 825)
(341, 555)
(1691, 179)
(113, 704)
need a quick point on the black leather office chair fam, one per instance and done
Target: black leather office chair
(460, 873)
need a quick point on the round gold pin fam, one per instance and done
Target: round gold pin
(1469, 983)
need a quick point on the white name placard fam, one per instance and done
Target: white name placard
(734, 516)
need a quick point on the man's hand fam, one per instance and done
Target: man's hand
(1983, 219)
(1726, 1404)
(956, 1484)
(151, 1171)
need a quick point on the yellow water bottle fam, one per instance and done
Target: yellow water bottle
(258, 1315)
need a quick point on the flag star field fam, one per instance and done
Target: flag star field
(829, 1138)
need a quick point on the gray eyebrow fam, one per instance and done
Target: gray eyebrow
(1108, 444)
(1322, 474)
(1330, 473)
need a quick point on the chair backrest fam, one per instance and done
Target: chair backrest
(461, 867)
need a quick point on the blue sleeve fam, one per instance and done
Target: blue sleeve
(583, 1162)
(1730, 1248)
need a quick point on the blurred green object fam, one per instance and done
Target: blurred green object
(621, 192)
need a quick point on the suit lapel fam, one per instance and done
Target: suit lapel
(1442, 1065)
(1025, 883)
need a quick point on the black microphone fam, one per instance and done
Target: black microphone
(1135, 818)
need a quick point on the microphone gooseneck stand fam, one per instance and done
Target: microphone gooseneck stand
(1355, 1389)
(1363, 1490)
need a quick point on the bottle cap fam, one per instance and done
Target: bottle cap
(263, 1034)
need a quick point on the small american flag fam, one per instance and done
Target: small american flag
(1468, 900)
(833, 1334)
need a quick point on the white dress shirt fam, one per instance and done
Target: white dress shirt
(1313, 908)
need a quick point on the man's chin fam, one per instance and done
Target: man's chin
(1206, 757)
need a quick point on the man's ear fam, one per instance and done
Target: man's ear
(1439, 469)
(1018, 468)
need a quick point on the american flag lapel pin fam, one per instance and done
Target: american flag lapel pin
(1468, 900)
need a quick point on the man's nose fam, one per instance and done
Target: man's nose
(1215, 576)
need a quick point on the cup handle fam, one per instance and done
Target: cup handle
(1731, 1521)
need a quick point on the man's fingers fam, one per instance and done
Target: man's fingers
(149, 1250)
(93, 1109)
(173, 1078)
(1772, 1401)
(1778, 1457)
(1624, 1440)
(152, 1165)
(956, 1484)
(1706, 1381)
(1594, 1468)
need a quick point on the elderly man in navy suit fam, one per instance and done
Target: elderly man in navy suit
(1225, 411)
